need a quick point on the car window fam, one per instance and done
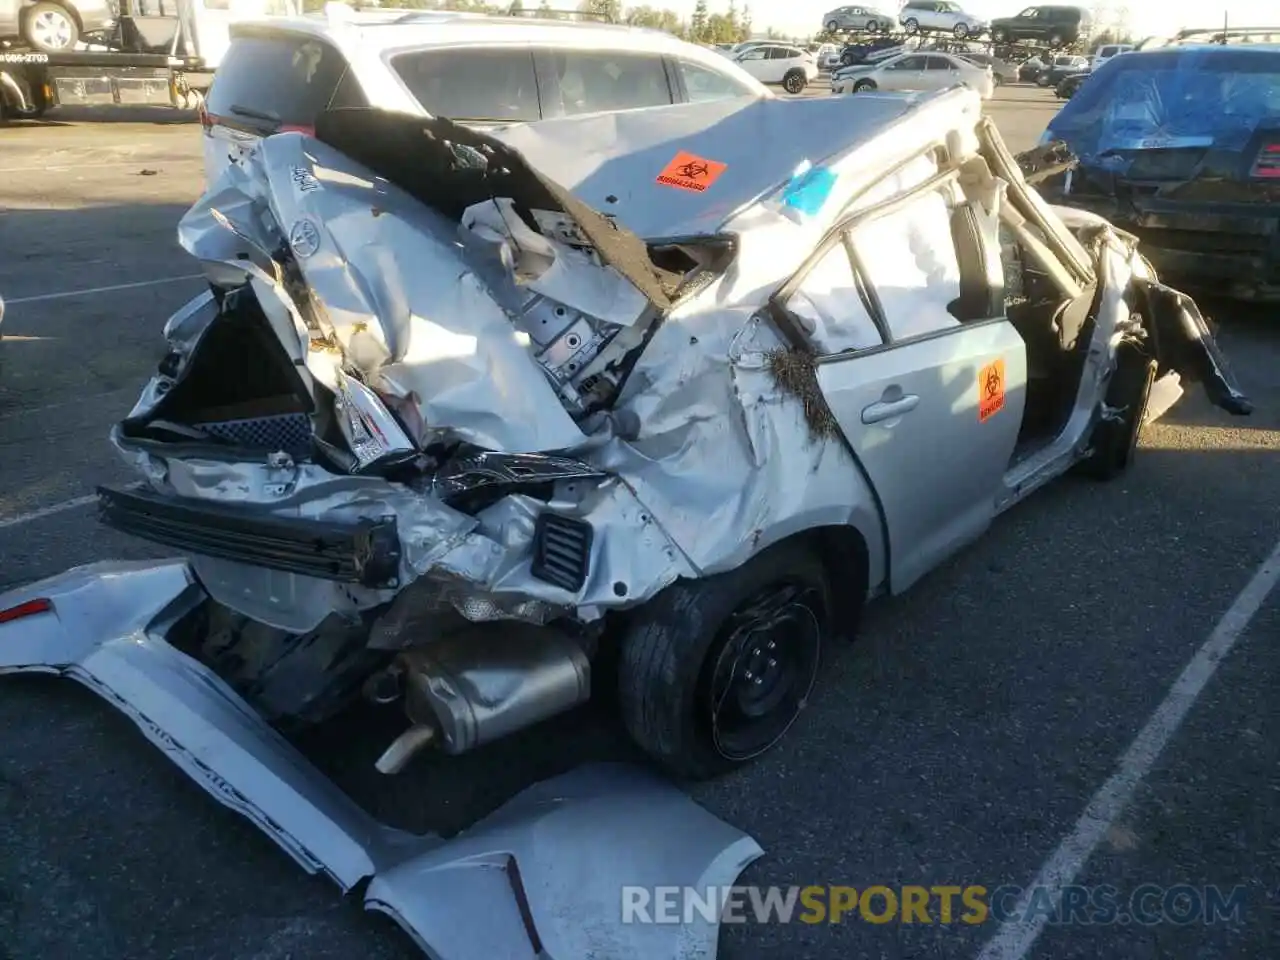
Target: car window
(596, 81)
(756, 53)
(472, 83)
(1188, 99)
(701, 84)
(348, 95)
(909, 258)
(1028, 13)
(830, 309)
(268, 80)
(940, 63)
(910, 63)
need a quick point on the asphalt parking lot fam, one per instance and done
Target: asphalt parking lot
(985, 728)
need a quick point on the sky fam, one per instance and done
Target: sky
(1145, 17)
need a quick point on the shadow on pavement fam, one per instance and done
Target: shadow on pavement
(66, 116)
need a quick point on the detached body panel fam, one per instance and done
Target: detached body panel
(542, 877)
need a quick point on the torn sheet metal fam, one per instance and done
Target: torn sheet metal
(541, 878)
(526, 323)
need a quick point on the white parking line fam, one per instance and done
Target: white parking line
(111, 289)
(48, 511)
(1014, 941)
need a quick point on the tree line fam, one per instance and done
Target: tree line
(731, 26)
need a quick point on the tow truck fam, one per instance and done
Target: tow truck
(159, 52)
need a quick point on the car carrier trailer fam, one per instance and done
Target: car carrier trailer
(32, 83)
(160, 53)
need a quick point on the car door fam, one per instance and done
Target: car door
(782, 59)
(940, 73)
(924, 376)
(756, 62)
(906, 73)
(1035, 24)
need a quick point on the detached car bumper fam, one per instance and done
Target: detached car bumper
(543, 877)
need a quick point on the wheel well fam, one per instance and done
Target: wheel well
(842, 551)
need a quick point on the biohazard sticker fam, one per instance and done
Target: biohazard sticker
(687, 171)
(990, 390)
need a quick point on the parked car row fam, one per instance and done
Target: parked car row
(1054, 25)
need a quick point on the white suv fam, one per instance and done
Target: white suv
(280, 74)
(940, 16)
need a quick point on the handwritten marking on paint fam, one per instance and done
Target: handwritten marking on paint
(990, 390)
(687, 171)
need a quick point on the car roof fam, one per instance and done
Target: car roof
(1247, 49)
(380, 30)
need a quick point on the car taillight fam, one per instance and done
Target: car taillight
(1267, 165)
(29, 608)
(296, 128)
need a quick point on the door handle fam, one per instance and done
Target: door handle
(888, 409)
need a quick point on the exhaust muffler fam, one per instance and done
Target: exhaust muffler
(475, 687)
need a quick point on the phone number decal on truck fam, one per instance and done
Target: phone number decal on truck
(24, 58)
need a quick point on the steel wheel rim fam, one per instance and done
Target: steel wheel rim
(764, 669)
(51, 29)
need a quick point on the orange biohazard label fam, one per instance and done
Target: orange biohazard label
(990, 390)
(687, 171)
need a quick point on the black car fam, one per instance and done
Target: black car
(855, 53)
(1060, 68)
(1052, 25)
(1068, 85)
(1180, 146)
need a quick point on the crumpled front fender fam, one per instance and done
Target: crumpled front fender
(542, 878)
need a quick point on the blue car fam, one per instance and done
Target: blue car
(1180, 146)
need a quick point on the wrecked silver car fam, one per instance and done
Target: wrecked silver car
(464, 416)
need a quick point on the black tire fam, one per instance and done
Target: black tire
(795, 81)
(911, 25)
(863, 85)
(833, 27)
(1115, 442)
(673, 690)
(999, 36)
(1044, 80)
(961, 31)
(1055, 40)
(50, 28)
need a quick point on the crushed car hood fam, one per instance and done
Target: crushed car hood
(612, 162)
